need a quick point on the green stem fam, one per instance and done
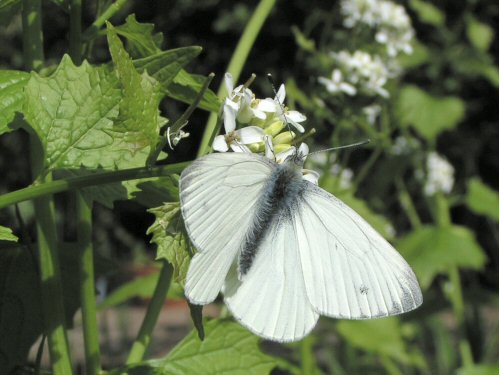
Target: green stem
(367, 167)
(143, 339)
(389, 366)
(87, 286)
(75, 31)
(407, 203)
(78, 182)
(51, 286)
(306, 355)
(93, 29)
(236, 63)
(32, 34)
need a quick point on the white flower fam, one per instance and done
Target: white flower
(391, 22)
(337, 84)
(372, 112)
(288, 117)
(366, 72)
(237, 139)
(344, 175)
(440, 175)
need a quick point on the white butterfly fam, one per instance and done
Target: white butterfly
(284, 251)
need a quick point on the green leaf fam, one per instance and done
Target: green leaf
(482, 369)
(427, 12)
(141, 40)
(153, 192)
(429, 115)
(432, 250)
(228, 348)
(12, 84)
(480, 34)
(380, 336)
(302, 41)
(169, 235)
(482, 199)
(186, 86)
(139, 117)
(7, 235)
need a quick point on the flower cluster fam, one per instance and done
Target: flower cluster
(390, 21)
(260, 126)
(440, 175)
(357, 71)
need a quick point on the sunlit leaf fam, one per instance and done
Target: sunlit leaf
(433, 250)
(12, 84)
(480, 34)
(168, 234)
(427, 12)
(141, 41)
(7, 235)
(380, 336)
(429, 115)
(482, 199)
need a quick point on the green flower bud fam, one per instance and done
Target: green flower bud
(274, 128)
(284, 138)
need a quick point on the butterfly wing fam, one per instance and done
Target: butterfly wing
(218, 194)
(271, 299)
(350, 270)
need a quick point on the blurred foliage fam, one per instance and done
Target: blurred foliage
(444, 99)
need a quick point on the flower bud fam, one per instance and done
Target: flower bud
(274, 128)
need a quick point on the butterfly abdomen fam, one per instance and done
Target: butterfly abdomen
(280, 197)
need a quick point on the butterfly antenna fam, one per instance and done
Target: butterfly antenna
(271, 81)
(358, 144)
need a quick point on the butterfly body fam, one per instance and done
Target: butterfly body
(284, 251)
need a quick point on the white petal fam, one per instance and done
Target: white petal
(303, 149)
(250, 134)
(267, 105)
(229, 119)
(311, 176)
(239, 147)
(281, 94)
(268, 143)
(228, 79)
(348, 89)
(259, 114)
(296, 125)
(295, 116)
(220, 144)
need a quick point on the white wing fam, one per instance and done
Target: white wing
(271, 300)
(350, 270)
(218, 194)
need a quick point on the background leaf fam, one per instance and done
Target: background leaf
(427, 12)
(12, 84)
(7, 235)
(141, 41)
(482, 199)
(480, 34)
(432, 250)
(429, 115)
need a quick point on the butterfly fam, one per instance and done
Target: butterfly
(283, 251)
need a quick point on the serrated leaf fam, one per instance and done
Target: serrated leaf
(427, 12)
(433, 250)
(12, 84)
(153, 192)
(185, 87)
(165, 66)
(169, 235)
(139, 118)
(7, 235)
(480, 34)
(141, 41)
(228, 348)
(482, 199)
(380, 336)
(429, 115)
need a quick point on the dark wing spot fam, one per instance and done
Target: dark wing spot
(363, 289)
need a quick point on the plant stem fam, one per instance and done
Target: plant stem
(75, 31)
(93, 29)
(407, 202)
(306, 355)
(236, 63)
(143, 339)
(78, 182)
(361, 175)
(87, 286)
(51, 286)
(32, 34)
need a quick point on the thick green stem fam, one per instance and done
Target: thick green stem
(32, 34)
(78, 182)
(87, 286)
(236, 63)
(306, 355)
(51, 285)
(75, 31)
(143, 339)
